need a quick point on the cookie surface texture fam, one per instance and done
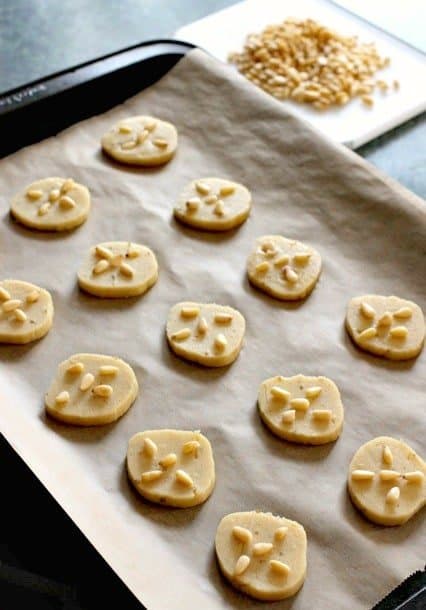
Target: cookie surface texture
(26, 312)
(52, 204)
(213, 204)
(286, 269)
(141, 140)
(301, 409)
(91, 390)
(261, 554)
(171, 467)
(387, 481)
(386, 326)
(118, 269)
(209, 334)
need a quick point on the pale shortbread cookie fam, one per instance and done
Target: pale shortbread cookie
(302, 409)
(52, 204)
(118, 269)
(171, 467)
(209, 334)
(386, 326)
(26, 312)
(283, 268)
(141, 140)
(213, 204)
(261, 554)
(387, 481)
(91, 390)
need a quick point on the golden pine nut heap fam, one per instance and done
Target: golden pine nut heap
(308, 63)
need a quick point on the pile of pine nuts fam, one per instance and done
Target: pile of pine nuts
(305, 61)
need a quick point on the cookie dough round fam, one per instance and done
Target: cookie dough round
(116, 269)
(141, 140)
(91, 390)
(213, 204)
(209, 334)
(283, 268)
(261, 554)
(52, 204)
(26, 312)
(301, 409)
(386, 326)
(387, 481)
(171, 467)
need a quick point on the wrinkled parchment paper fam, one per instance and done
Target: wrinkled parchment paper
(371, 233)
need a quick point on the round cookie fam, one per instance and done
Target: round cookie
(91, 390)
(26, 312)
(261, 554)
(213, 204)
(386, 326)
(52, 204)
(283, 268)
(141, 140)
(301, 409)
(118, 269)
(171, 467)
(387, 481)
(209, 334)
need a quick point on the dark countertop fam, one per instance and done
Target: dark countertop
(45, 561)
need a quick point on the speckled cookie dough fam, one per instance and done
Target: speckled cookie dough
(213, 204)
(301, 409)
(171, 467)
(261, 554)
(118, 269)
(52, 204)
(209, 334)
(91, 390)
(141, 140)
(386, 326)
(26, 312)
(387, 481)
(283, 268)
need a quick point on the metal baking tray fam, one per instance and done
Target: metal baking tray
(30, 114)
(44, 107)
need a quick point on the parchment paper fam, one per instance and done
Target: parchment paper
(371, 234)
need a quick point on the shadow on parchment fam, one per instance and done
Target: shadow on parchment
(10, 352)
(36, 234)
(282, 448)
(375, 532)
(202, 234)
(74, 433)
(89, 302)
(268, 300)
(128, 168)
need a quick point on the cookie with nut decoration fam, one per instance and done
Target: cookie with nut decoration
(386, 326)
(387, 481)
(171, 467)
(213, 204)
(301, 409)
(52, 204)
(91, 390)
(26, 312)
(118, 269)
(141, 140)
(261, 554)
(209, 334)
(286, 269)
